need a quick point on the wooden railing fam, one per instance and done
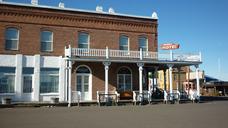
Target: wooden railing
(110, 53)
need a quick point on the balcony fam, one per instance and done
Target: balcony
(130, 55)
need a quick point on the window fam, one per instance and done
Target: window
(124, 43)
(27, 80)
(7, 79)
(124, 80)
(49, 80)
(83, 40)
(11, 39)
(46, 41)
(83, 79)
(143, 43)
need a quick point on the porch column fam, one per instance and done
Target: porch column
(18, 77)
(164, 71)
(170, 78)
(36, 84)
(140, 65)
(197, 81)
(155, 76)
(179, 82)
(106, 64)
(69, 82)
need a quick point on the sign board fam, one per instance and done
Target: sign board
(169, 46)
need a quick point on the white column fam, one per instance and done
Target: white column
(69, 82)
(170, 78)
(140, 65)
(36, 88)
(197, 80)
(106, 64)
(61, 79)
(18, 77)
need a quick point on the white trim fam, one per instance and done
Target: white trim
(78, 10)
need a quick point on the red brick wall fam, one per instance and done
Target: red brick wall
(104, 30)
(98, 78)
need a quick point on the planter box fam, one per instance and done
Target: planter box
(6, 100)
(54, 100)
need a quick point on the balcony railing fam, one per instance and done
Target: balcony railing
(121, 54)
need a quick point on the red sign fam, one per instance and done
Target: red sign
(169, 46)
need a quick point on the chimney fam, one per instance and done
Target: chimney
(111, 11)
(61, 5)
(34, 2)
(99, 9)
(154, 15)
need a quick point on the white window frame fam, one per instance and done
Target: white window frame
(84, 42)
(41, 41)
(24, 75)
(128, 42)
(124, 77)
(14, 91)
(12, 39)
(146, 43)
(44, 93)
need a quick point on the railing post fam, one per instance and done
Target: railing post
(107, 53)
(140, 54)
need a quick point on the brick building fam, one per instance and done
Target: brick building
(59, 52)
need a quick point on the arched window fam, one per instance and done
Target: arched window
(83, 80)
(46, 41)
(124, 43)
(143, 43)
(11, 39)
(83, 40)
(124, 78)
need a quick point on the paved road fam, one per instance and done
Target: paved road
(204, 115)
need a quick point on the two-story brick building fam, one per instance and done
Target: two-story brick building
(58, 52)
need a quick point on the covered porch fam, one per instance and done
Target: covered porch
(144, 62)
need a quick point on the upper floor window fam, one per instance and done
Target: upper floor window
(83, 40)
(46, 41)
(11, 39)
(124, 43)
(143, 43)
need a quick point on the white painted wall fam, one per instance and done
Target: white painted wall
(19, 61)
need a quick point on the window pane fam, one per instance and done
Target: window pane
(143, 43)
(123, 43)
(7, 79)
(49, 80)
(11, 38)
(79, 82)
(7, 83)
(46, 36)
(11, 33)
(124, 71)
(83, 40)
(83, 69)
(27, 84)
(83, 45)
(46, 41)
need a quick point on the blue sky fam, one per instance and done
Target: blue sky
(197, 25)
